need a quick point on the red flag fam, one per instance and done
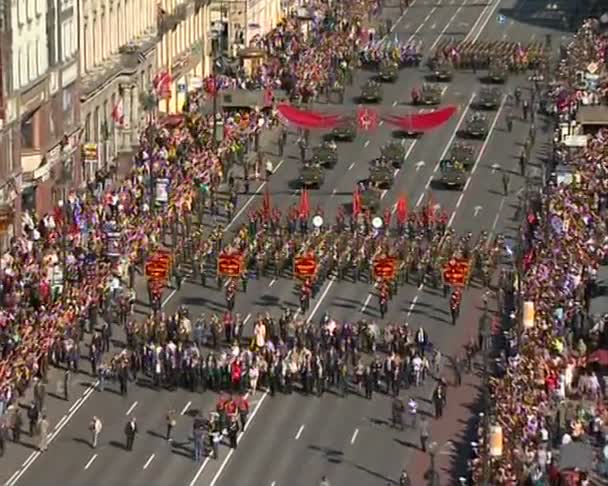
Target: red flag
(356, 202)
(266, 208)
(304, 204)
(367, 118)
(402, 210)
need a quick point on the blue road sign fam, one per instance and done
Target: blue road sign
(501, 19)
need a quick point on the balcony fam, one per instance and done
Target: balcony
(166, 23)
(30, 160)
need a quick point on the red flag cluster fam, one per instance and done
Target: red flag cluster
(367, 119)
(304, 209)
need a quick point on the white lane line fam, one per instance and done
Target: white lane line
(479, 19)
(274, 483)
(251, 199)
(91, 461)
(231, 453)
(131, 408)
(380, 123)
(502, 203)
(396, 172)
(350, 167)
(384, 193)
(186, 407)
(395, 103)
(333, 193)
(366, 144)
(272, 282)
(61, 422)
(12, 477)
(433, 27)
(365, 304)
(75, 404)
(354, 438)
(459, 201)
(247, 318)
(419, 202)
(320, 301)
(299, 434)
(445, 28)
(150, 459)
(482, 26)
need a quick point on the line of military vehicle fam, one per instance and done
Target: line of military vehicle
(461, 157)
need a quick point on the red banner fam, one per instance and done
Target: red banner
(385, 267)
(423, 122)
(230, 265)
(456, 272)
(304, 266)
(158, 266)
(307, 118)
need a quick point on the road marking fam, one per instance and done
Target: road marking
(369, 297)
(61, 422)
(274, 483)
(419, 200)
(251, 198)
(333, 193)
(395, 103)
(316, 307)
(354, 438)
(150, 459)
(247, 318)
(299, 434)
(366, 144)
(443, 31)
(482, 26)
(412, 305)
(75, 404)
(459, 200)
(384, 193)
(186, 407)
(350, 167)
(502, 203)
(272, 282)
(230, 454)
(396, 172)
(380, 123)
(91, 461)
(479, 19)
(131, 408)
(433, 27)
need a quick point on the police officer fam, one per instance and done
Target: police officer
(505, 183)
(233, 433)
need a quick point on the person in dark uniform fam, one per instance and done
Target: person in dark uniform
(130, 433)
(398, 408)
(233, 433)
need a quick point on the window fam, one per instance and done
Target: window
(10, 156)
(21, 12)
(38, 56)
(38, 7)
(30, 62)
(28, 139)
(87, 128)
(96, 124)
(31, 8)
(68, 108)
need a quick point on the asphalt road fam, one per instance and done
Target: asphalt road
(293, 439)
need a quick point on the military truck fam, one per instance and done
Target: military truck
(389, 71)
(347, 130)
(371, 92)
(370, 199)
(393, 153)
(325, 155)
(498, 72)
(463, 153)
(311, 175)
(429, 94)
(453, 174)
(381, 174)
(476, 126)
(443, 70)
(489, 98)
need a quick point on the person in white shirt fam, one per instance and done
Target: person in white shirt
(95, 428)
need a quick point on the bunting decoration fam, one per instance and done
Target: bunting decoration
(422, 122)
(308, 119)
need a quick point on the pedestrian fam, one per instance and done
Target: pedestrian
(412, 406)
(424, 433)
(33, 415)
(130, 433)
(171, 421)
(198, 431)
(3, 438)
(95, 428)
(66, 384)
(16, 424)
(438, 401)
(233, 433)
(44, 427)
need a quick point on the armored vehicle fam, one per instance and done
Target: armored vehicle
(371, 92)
(477, 126)
(453, 174)
(345, 131)
(311, 175)
(393, 153)
(381, 174)
(370, 199)
(443, 69)
(389, 71)
(463, 153)
(498, 72)
(429, 94)
(325, 155)
(489, 98)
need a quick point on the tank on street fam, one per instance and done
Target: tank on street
(311, 175)
(393, 153)
(476, 126)
(325, 155)
(489, 98)
(443, 70)
(347, 130)
(389, 71)
(464, 153)
(453, 174)
(371, 92)
(429, 94)
(370, 199)
(381, 174)
(498, 72)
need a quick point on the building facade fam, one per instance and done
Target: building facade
(118, 45)
(184, 50)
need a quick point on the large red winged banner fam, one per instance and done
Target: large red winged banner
(308, 119)
(422, 122)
